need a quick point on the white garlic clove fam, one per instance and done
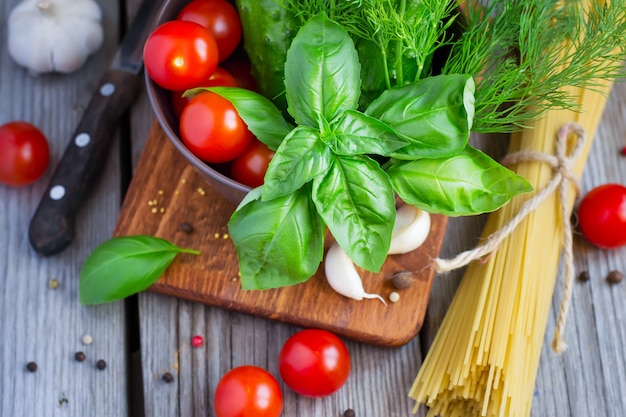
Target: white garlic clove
(343, 277)
(410, 230)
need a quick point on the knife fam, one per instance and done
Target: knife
(52, 226)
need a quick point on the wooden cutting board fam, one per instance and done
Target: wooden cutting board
(166, 192)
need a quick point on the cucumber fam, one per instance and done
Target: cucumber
(268, 30)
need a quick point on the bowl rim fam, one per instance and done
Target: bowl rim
(156, 94)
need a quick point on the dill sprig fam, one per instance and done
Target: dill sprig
(523, 52)
(520, 52)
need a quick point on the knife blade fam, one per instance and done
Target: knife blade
(52, 226)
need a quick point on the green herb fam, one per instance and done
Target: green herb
(123, 266)
(516, 49)
(325, 174)
(520, 52)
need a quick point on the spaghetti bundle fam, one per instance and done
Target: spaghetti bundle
(485, 356)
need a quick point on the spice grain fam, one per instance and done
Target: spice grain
(615, 277)
(101, 364)
(31, 366)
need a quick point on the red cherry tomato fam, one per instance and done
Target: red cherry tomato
(249, 168)
(24, 153)
(180, 55)
(602, 216)
(220, 77)
(212, 129)
(248, 391)
(221, 18)
(314, 363)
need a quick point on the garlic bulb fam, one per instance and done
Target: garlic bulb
(54, 35)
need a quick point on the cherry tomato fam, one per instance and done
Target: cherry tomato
(248, 391)
(24, 153)
(180, 55)
(212, 129)
(220, 77)
(314, 363)
(221, 18)
(249, 168)
(602, 216)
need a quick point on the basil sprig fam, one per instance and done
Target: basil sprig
(124, 266)
(327, 172)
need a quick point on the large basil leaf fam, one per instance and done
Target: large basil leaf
(321, 72)
(359, 134)
(261, 116)
(434, 113)
(467, 183)
(279, 242)
(123, 266)
(356, 201)
(301, 157)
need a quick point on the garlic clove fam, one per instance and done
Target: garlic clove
(410, 230)
(343, 277)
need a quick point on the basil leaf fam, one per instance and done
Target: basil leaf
(300, 158)
(279, 242)
(359, 134)
(261, 116)
(356, 201)
(467, 183)
(321, 72)
(125, 265)
(434, 113)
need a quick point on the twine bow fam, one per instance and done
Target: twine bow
(563, 175)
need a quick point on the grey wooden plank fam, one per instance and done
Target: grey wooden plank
(377, 385)
(39, 323)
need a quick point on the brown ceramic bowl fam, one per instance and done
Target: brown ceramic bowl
(161, 103)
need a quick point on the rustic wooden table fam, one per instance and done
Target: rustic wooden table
(146, 336)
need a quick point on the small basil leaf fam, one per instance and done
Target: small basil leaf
(301, 157)
(125, 265)
(356, 201)
(465, 184)
(261, 116)
(279, 242)
(359, 134)
(321, 72)
(434, 113)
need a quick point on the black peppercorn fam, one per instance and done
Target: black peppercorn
(101, 364)
(186, 227)
(31, 366)
(583, 276)
(80, 356)
(167, 377)
(349, 413)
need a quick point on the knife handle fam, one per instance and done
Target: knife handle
(52, 226)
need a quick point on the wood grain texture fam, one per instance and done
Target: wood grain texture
(166, 191)
(38, 323)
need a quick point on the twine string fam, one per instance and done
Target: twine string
(562, 166)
